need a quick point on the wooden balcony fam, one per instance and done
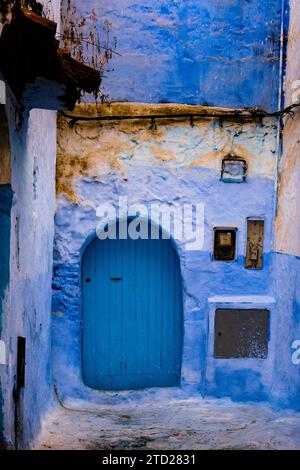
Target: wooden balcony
(39, 73)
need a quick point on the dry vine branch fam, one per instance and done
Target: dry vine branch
(80, 36)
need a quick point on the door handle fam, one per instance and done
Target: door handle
(116, 279)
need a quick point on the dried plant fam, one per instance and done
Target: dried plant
(80, 36)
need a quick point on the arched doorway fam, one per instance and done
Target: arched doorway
(132, 314)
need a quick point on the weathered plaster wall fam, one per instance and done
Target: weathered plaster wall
(218, 53)
(5, 228)
(287, 239)
(97, 163)
(5, 206)
(288, 218)
(221, 54)
(27, 302)
(286, 387)
(110, 147)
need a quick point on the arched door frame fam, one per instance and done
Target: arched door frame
(93, 235)
(67, 310)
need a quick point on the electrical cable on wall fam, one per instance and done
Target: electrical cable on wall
(236, 114)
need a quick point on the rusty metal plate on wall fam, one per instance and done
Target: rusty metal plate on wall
(255, 240)
(241, 333)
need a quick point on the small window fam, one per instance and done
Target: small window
(241, 333)
(234, 170)
(225, 244)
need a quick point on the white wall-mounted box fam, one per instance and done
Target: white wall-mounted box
(2, 353)
(2, 92)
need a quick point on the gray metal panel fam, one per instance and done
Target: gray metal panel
(241, 333)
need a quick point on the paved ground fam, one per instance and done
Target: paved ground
(169, 422)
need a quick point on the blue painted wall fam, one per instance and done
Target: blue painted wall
(5, 206)
(287, 239)
(216, 53)
(201, 278)
(219, 53)
(189, 173)
(27, 309)
(286, 276)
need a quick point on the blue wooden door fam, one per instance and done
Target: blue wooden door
(132, 314)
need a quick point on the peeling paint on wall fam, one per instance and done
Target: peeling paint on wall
(94, 150)
(288, 218)
(97, 163)
(287, 232)
(26, 309)
(191, 52)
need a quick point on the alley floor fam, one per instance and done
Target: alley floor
(169, 423)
